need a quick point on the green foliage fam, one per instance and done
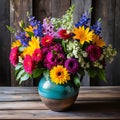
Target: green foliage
(30, 34)
(92, 72)
(76, 81)
(46, 74)
(11, 29)
(101, 74)
(66, 22)
(64, 45)
(21, 75)
(22, 24)
(37, 72)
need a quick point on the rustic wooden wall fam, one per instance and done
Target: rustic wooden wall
(108, 10)
(4, 43)
(18, 11)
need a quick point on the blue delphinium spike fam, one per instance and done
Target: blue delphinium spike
(85, 19)
(34, 23)
(38, 31)
(23, 39)
(97, 27)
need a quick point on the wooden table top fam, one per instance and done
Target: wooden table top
(92, 103)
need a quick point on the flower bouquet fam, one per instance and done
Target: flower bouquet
(59, 50)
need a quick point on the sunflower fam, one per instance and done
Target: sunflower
(83, 34)
(32, 46)
(16, 43)
(29, 29)
(59, 75)
(98, 41)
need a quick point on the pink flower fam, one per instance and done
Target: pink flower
(37, 55)
(14, 56)
(63, 34)
(47, 40)
(94, 52)
(28, 64)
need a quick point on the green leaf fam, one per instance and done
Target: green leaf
(20, 59)
(12, 30)
(24, 77)
(37, 72)
(21, 48)
(101, 74)
(92, 72)
(20, 73)
(22, 24)
(18, 66)
(30, 34)
(77, 81)
(46, 74)
(64, 46)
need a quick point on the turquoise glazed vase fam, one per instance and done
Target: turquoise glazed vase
(57, 97)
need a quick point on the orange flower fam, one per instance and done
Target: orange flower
(98, 41)
(83, 34)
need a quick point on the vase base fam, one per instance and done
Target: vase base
(58, 105)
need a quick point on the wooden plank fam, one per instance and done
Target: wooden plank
(116, 44)
(92, 103)
(41, 9)
(105, 9)
(4, 43)
(48, 114)
(32, 90)
(58, 7)
(29, 105)
(79, 104)
(85, 93)
(80, 7)
(18, 11)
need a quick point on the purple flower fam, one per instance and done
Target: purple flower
(45, 51)
(56, 47)
(72, 65)
(48, 27)
(53, 59)
(94, 52)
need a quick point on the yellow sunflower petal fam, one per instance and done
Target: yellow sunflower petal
(59, 75)
(83, 34)
(29, 29)
(32, 45)
(16, 43)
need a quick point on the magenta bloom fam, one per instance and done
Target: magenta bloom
(53, 59)
(28, 64)
(56, 47)
(94, 52)
(37, 55)
(72, 65)
(14, 56)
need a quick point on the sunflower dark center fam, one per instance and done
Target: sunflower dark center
(59, 73)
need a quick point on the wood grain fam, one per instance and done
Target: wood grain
(92, 103)
(4, 43)
(18, 11)
(80, 7)
(106, 10)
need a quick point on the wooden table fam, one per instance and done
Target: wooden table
(92, 103)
